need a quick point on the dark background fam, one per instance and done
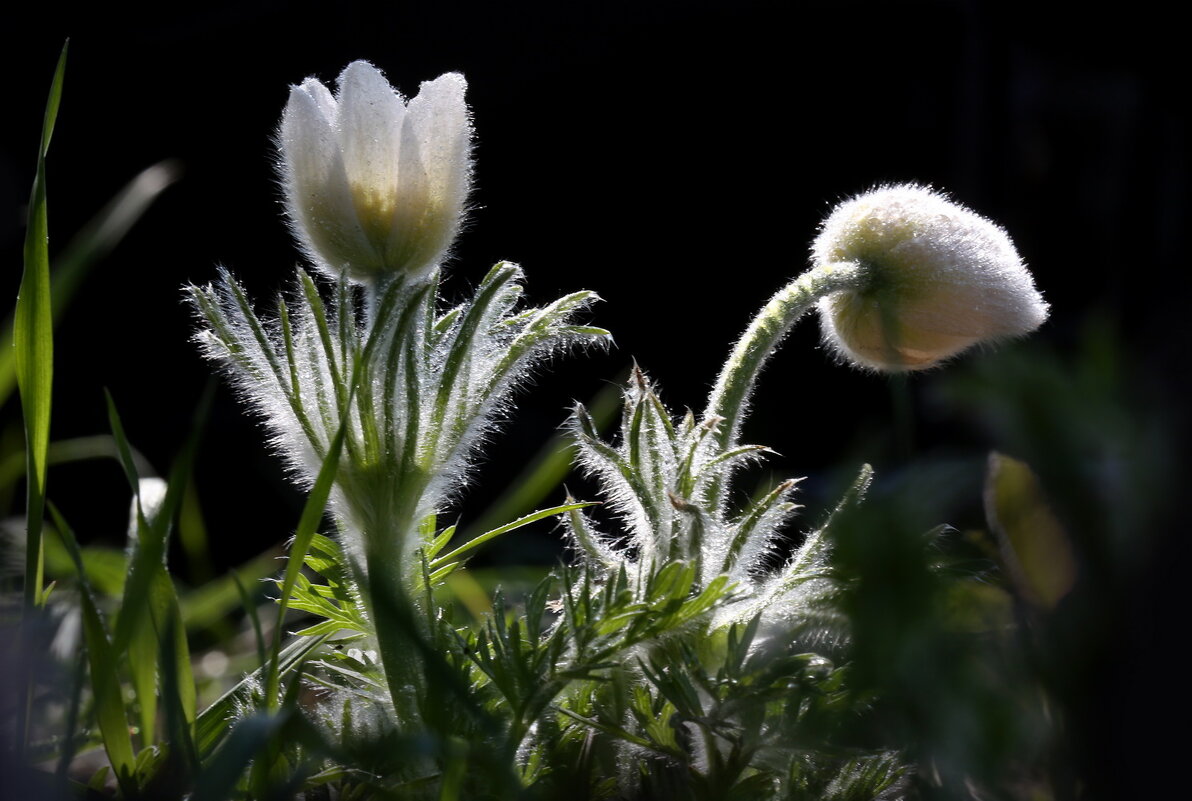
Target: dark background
(675, 157)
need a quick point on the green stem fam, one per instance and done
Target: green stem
(730, 397)
(395, 617)
(391, 507)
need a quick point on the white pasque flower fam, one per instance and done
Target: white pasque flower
(937, 279)
(375, 184)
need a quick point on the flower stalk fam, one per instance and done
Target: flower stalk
(729, 399)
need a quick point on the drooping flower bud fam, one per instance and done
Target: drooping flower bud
(938, 278)
(375, 184)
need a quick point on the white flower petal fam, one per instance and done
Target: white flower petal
(373, 185)
(435, 170)
(444, 135)
(370, 123)
(410, 233)
(315, 180)
(323, 99)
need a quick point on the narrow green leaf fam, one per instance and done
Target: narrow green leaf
(150, 547)
(736, 453)
(213, 312)
(496, 532)
(211, 726)
(613, 731)
(141, 647)
(312, 515)
(122, 447)
(108, 699)
(324, 556)
(178, 683)
(440, 542)
(149, 596)
(33, 342)
(327, 627)
(443, 572)
(586, 331)
(811, 549)
(394, 406)
(67, 451)
(254, 618)
(287, 338)
(177, 688)
(134, 633)
(53, 101)
(94, 241)
(319, 314)
(460, 349)
(248, 738)
(597, 552)
(749, 523)
(547, 469)
(33, 349)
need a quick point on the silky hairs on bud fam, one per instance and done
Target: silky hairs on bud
(937, 279)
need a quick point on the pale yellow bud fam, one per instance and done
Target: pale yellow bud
(938, 278)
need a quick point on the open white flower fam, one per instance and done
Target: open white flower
(375, 184)
(937, 278)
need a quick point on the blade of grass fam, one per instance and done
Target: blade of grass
(150, 548)
(34, 345)
(178, 691)
(312, 515)
(141, 646)
(149, 594)
(108, 699)
(211, 726)
(88, 246)
(66, 451)
(134, 629)
(123, 449)
(33, 349)
(247, 739)
(251, 608)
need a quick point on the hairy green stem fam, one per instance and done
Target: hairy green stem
(395, 618)
(730, 397)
